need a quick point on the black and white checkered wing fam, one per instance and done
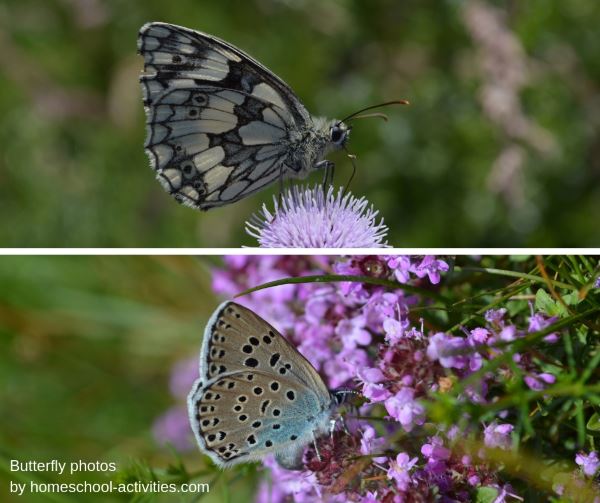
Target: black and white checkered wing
(220, 124)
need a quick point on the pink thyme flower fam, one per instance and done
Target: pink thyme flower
(370, 443)
(539, 321)
(496, 316)
(443, 347)
(435, 450)
(370, 497)
(401, 266)
(394, 330)
(376, 392)
(309, 218)
(342, 367)
(436, 455)
(430, 267)
(508, 333)
(479, 335)
(498, 435)
(405, 409)
(399, 470)
(352, 332)
(538, 382)
(589, 462)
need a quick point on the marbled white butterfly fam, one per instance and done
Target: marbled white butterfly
(221, 126)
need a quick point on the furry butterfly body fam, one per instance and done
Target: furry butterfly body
(256, 394)
(221, 126)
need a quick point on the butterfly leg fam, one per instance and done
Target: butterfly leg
(316, 447)
(281, 186)
(329, 168)
(332, 423)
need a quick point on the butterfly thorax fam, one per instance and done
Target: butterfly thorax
(313, 145)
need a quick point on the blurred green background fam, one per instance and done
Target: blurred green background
(87, 348)
(500, 146)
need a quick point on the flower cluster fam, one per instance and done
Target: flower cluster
(366, 337)
(359, 334)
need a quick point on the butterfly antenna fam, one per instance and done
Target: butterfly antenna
(368, 116)
(387, 103)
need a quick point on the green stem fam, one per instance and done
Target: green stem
(515, 274)
(489, 306)
(336, 278)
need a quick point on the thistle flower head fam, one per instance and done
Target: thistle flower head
(310, 218)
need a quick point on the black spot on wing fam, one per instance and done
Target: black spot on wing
(250, 110)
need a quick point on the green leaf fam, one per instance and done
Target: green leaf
(486, 494)
(519, 258)
(546, 304)
(594, 422)
(571, 298)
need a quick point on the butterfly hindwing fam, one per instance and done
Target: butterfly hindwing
(220, 124)
(243, 416)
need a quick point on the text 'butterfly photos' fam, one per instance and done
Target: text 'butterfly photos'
(256, 395)
(221, 126)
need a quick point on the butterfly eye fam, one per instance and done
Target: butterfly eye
(338, 135)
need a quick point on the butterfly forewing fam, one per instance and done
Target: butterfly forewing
(220, 125)
(237, 339)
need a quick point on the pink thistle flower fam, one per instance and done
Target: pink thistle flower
(310, 218)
